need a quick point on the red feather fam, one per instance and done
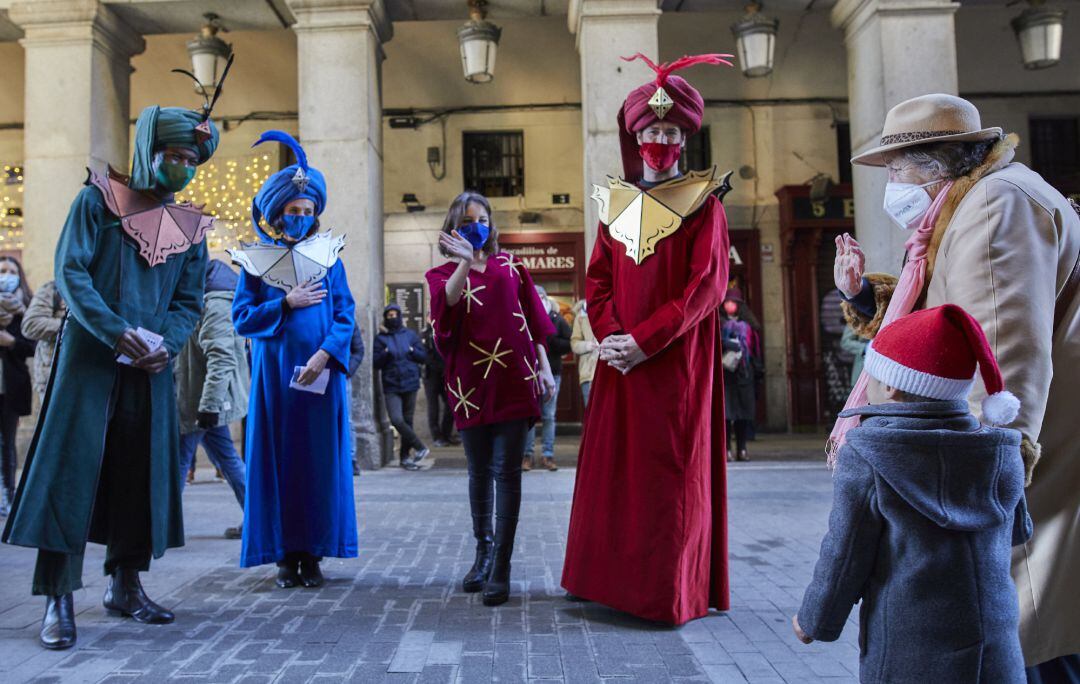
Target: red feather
(667, 68)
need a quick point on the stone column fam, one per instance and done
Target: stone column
(339, 52)
(896, 50)
(78, 83)
(607, 30)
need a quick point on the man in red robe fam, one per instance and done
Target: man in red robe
(648, 528)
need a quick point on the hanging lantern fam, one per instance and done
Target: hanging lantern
(1038, 30)
(209, 53)
(755, 41)
(479, 42)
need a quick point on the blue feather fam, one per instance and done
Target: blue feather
(286, 139)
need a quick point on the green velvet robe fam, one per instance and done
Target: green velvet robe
(108, 288)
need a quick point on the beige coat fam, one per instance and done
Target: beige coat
(1003, 250)
(580, 341)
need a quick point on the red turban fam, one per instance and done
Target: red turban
(636, 114)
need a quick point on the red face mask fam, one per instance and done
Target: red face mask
(660, 156)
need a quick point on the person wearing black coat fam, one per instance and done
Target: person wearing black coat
(399, 354)
(440, 417)
(558, 345)
(356, 356)
(15, 386)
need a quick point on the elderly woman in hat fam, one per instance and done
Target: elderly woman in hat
(990, 235)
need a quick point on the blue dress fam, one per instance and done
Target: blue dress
(299, 463)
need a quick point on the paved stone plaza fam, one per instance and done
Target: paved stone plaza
(396, 613)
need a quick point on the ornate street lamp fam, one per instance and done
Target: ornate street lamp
(479, 42)
(209, 53)
(755, 41)
(1038, 30)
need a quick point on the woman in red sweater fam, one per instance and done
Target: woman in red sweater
(490, 327)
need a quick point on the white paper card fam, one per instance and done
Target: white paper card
(317, 387)
(152, 340)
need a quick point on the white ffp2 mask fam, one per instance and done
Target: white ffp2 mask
(907, 203)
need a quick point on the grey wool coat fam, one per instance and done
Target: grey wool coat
(927, 506)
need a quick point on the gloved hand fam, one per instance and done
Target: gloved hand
(206, 420)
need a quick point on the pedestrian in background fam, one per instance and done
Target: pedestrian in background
(855, 345)
(15, 391)
(558, 344)
(440, 417)
(586, 347)
(742, 346)
(41, 323)
(213, 380)
(356, 356)
(399, 355)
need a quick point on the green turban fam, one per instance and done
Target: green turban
(158, 128)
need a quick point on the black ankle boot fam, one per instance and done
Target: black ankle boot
(58, 625)
(497, 588)
(125, 596)
(310, 573)
(287, 575)
(481, 567)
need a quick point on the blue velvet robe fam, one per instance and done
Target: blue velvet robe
(299, 460)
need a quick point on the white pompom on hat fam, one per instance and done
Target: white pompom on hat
(933, 353)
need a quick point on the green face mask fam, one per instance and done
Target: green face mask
(174, 177)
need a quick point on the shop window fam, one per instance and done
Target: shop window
(698, 153)
(1055, 149)
(495, 163)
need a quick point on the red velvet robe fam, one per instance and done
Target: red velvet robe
(648, 528)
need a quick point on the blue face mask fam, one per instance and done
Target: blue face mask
(296, 226)
(476, 233)
(9, 282)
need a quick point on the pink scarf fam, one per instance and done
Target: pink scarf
(907, 293)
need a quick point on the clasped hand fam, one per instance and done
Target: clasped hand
(621, 352)
(136, 349)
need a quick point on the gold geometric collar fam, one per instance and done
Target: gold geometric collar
(640, 219)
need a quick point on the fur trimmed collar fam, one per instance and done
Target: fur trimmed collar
(1001, 155)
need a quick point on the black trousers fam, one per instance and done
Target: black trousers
(9, 428)
(741, 430)
(494, 453)
(122, 505)
(401, 407)
(440, 418)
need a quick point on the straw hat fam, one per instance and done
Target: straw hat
(927, 119)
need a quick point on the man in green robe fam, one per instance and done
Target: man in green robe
(103, 462)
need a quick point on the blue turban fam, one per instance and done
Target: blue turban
(297, 181)
(158, 128)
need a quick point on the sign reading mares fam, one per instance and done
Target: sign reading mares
(554, 257)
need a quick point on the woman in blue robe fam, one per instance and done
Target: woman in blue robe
(293, 302)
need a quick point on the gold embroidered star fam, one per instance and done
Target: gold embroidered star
(524, 322)
(507, 260)
(463, 398)
(490, 357)
(534, 373)
(470, 294)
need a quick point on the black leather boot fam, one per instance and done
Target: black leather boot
(497, 588)
(125, 596)
(481, 568)
(310, 573)
(58, 625)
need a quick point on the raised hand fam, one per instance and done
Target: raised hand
(456, 246)
(308, 294)
(849, 266)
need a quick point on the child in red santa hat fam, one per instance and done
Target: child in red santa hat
(927, 505)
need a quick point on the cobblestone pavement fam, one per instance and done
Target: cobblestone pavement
(396, 614)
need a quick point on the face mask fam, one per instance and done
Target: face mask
(907, 203)
(9, 282)
(393, 323)
(296, 226)
(476, 233)
(173, 177)
(731, 308)
(659, 156)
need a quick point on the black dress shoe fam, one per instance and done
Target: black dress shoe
(310, 573)
(58, 625)
(287, 576)
(481, 568)
(497, 588)
(125, 596)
